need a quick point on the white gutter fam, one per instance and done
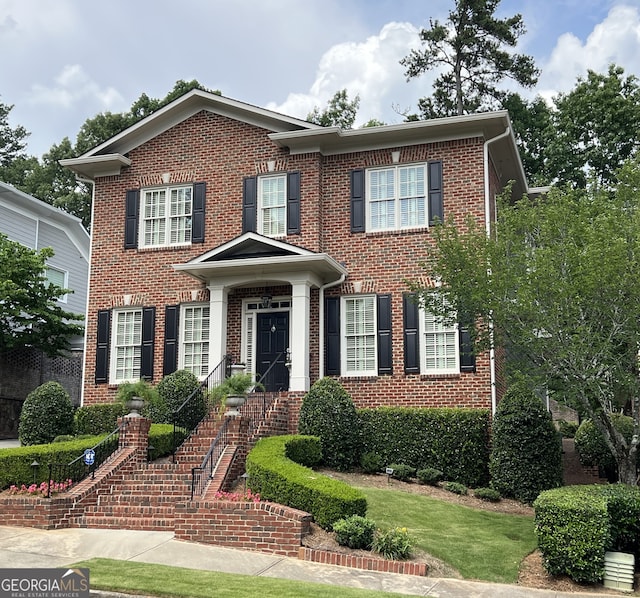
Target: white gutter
(321, 321)
(487, 224)
(86, 309)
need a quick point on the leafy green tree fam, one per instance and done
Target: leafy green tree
(12, 139)
(30, 315)
(340, 111)
(471, 50)
(558, 282)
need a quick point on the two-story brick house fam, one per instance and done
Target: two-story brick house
(220, 227)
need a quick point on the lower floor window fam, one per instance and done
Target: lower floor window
(440, 342)
(195, 339)
(127, 345)
(360, 335)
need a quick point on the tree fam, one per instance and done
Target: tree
(557, 283)
(470, 47)
(340, 112)
(30, 315)
(12, 139)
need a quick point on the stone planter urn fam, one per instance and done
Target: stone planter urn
(134, 405)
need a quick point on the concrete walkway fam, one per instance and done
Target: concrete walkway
(34, 548)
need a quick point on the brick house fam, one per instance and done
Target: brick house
(223, 228)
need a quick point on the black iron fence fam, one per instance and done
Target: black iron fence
(196, 406)
(85, 464)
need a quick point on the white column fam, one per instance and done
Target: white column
(218, 301)
(299, 334)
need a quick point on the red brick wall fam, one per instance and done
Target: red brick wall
(220, 151)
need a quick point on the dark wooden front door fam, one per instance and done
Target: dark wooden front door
(272, 344)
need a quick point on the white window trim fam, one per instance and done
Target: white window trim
(182, 342)
(423, 349)
(260, 222)
(65, 284)
(167, 216)
(343, 338)
(112, 349)
(368, 195)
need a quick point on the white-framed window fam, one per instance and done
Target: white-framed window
(58, 278)
(396, 197)
(272, 205)
(194, 339)
(165, 216)
(359, 341)
(440, 345)
(126, 349)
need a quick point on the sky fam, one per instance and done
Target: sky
(65, 61)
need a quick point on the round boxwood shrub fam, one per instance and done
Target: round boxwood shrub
(328, 411)
(429, 476)
(526, 455)
(47, 412)
(593, 449)
(175, 388)
(355, 532)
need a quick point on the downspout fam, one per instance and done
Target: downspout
(86, 309)
(487, 224)
(321, 321)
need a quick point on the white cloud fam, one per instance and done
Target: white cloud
(370, 69)
(74, 86)
(615, 40)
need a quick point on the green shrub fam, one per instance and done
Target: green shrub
(429, 475)
(355, 532)
(161, 438)
(328, 411)
(47, 412)
(526, 455)
(455, 488)
(592, 448)
(371, 462)
(279, 479)
(488, 494)
(567, 429)
(304, 450)
(455, 441)
(153, 407)
(394, 544)
(623, 507)
(402, 472)
(174, 389)
(63, 438)
(98, 419)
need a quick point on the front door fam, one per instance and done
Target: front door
(273, 341)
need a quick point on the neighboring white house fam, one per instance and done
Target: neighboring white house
(37, 224)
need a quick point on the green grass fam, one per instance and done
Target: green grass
(480, 544)
(161, 580)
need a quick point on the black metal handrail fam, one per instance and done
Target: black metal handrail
(78, 469)
(195, 407)
(201, 475)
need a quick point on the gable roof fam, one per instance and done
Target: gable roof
(299, 136)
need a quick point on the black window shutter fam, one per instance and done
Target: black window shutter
(293, 203)
(467, 355)
(411, 315)
(249, 204)
(436, 207)
(102, 346)
(148, 338)
(170, 359)
(332, 336)
(385, 353)
(131, 219)
(357, 201)
(197, 213)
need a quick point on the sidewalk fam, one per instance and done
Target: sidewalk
(31, 548)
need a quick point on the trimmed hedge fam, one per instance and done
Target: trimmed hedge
(576, 525)
(279, 479)
(454, 441)
(98, 419)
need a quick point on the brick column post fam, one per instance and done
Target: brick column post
(238, 436)
(134, 432)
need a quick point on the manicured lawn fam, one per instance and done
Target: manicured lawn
(177, 582)
(479, 544)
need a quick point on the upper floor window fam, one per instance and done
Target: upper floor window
(397, 197)
(359, 336)
(58, 278)
(166, 216)
(272, 204)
